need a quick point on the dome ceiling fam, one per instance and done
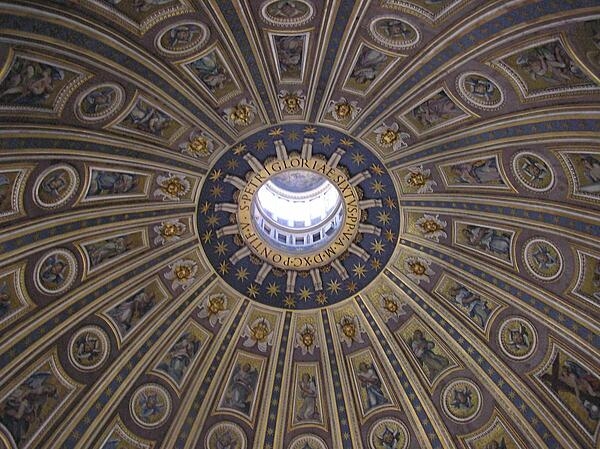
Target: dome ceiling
(456, 308)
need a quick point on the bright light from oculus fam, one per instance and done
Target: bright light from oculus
(298, 210)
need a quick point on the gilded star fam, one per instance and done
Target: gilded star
(346, 142)
(241, 274)
(377, 186)
(221, 248)
(205, 207)
(212, 220)
(376, 264)
(390, 202)
(276, 132)
(232, 164)
(305, 294)
(224, 267)
(216, 175)
(333, 286)
(377, 246)
(383, 217)
(359, 270)
(289, 301)
(351, 287)
(252, 291)
(358, 158)
(321, 298)
(207, 236)
(376, 169)
(326, 140)
(389, 235)
(310, 130)
(273, 289)
(239, 149)
(293, 136)
(260, 144)
(216, 191)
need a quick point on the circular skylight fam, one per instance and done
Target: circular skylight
(298, 210)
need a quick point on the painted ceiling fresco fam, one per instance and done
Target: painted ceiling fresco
(460, 309)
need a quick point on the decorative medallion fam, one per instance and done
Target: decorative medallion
(391, 137)
(518, 338)
(291, 103)
(55, 186)
(182, 38)
(394, 33)
(88, 348)
(389, 434)
(533, 171)
(480, 91)
(56, 271)
(542, 259)
(99, 102)
(199, 145)
(150, 405)
(343, 110)
(308, 442)
(225, 435)
(286, 13)
(348, 243)
(461, 400)
(242, 114)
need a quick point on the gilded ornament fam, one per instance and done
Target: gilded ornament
(391, 136)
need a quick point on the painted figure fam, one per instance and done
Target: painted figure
(437, 109)
(477, 307)
(180, 356)
(226, 440)
(423, 351)
(25, 408)
(482, 171)
(147, 118)
(368, 65)
(87, 348)
(389, 439)
(290, 51)
(98, 100)
(100, 252)
(240, 390)
(111, 183)
(287, 9)
(535, 170)
(395, 29)
(544, 258)
(519, 339)
(151, 406)
(462, 399)
(30, 82)
(591, 170)
(371, 383)
(53, 271)
(480, 87)
(488, 239)
(550, 63)
(132, 310)
(211, 71)
(182, 35)
(308, 393)
(495, 444)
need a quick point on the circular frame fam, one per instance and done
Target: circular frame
(396, 423)
(102, 336)
(390, 43)
(460, 81)
(530, 327)
(445, 397)
(190, 48)
(281, 22)
(74, 184)
(71, 261)
(98, 117)
(168, 405)
(532, 269)
(525, 182)
(226, 425)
